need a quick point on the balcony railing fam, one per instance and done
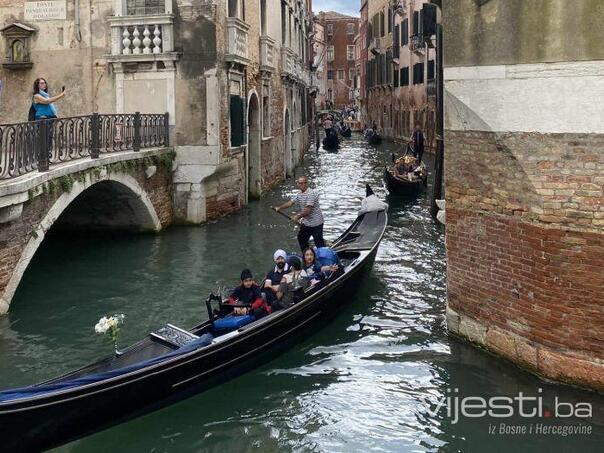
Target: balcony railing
(417, 44)
(25, 147)
(237, 41)
(267, 53)
(144, 37)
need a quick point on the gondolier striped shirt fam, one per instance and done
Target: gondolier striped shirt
(309, 198)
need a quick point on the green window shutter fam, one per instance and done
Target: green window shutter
(237, 129)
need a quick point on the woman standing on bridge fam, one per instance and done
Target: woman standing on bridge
(43, 104)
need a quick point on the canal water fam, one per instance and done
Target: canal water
(372, 380)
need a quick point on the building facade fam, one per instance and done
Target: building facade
(234, 82)
(318, 65)
(399, 69)
(524, 183)
(340, 58)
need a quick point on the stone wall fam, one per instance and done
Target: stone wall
(525, 248)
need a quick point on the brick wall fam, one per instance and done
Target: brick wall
(525, 249)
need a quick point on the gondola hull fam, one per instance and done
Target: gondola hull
(403, 187)
(56, 418)
(374, 139)
(347, 132)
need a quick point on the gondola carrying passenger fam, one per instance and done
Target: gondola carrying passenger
(248, 292)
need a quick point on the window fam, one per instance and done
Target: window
(430, 69)
(396, 78)
(236, 9)
(330, 53)
(340, 74)
(263, 17)
(382, 25)
(396, 46)
(350, 53)
(404, 76)
(283, 24)
(237, 129)
(143, 7)
(416, 23)
(418, 73)
(350, 29)
(405, 33)
(389, 20)
(266, 109)
(330, 74)
(351, 74)
(329, 29)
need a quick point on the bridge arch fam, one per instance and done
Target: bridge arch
(124, 189)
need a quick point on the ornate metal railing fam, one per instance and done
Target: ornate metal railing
(25, 147)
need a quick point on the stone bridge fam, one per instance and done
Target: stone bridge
(125, 190)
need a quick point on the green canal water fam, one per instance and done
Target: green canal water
(371, 380)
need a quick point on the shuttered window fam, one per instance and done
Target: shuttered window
(396, 78)
(430, 69)
(405, 33)
(415, 22)
(405, 76)
(396, 46)
(237, 130)
(418, 73)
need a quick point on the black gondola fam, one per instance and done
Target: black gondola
(346, 132)
(404, 186)
(172, 364)
(331, 141)
(374, 139)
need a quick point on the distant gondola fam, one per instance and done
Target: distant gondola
(402, 185)
(331, 142)
(346, 132)
(374, 139)
(171, 364)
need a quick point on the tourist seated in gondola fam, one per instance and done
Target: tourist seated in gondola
(292, 285)
(313, 268)
(274, 277)
(248, 293)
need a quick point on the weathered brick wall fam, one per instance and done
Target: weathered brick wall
(15, 235)
(525, 248)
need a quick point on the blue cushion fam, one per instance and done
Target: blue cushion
(326, 256)
(232, 322)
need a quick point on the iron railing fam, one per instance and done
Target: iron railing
(25, 147)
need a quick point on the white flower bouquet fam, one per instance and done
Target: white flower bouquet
(111, 326)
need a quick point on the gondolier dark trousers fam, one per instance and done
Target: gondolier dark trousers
(306, 232)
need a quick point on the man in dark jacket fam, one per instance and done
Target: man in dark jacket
(418, 142)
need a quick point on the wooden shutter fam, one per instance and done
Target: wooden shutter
(237, 130)
(415, 22)
(396, 46)
(430, 69)
(405, 33)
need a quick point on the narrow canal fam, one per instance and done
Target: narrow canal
(371, 380)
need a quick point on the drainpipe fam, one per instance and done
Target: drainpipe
(93, 107)
(78, 34)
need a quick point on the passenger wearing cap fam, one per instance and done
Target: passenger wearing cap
(274, 277)
(248, 293)
(293, 283)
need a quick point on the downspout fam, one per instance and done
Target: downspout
(93, 106)
(78, 33)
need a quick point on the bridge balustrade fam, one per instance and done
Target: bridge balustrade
(36, 145)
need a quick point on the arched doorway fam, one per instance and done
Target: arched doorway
(254, 175)
(287, 145)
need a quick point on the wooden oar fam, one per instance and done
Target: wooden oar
(284, 215)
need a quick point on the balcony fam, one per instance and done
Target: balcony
(417, 45)
(287, 62)
(267, 54)
(237, 41)
(374, 46)
(145, 38)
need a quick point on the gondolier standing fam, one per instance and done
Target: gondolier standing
(309, 214)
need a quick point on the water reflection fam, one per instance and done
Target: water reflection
(368, 381)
